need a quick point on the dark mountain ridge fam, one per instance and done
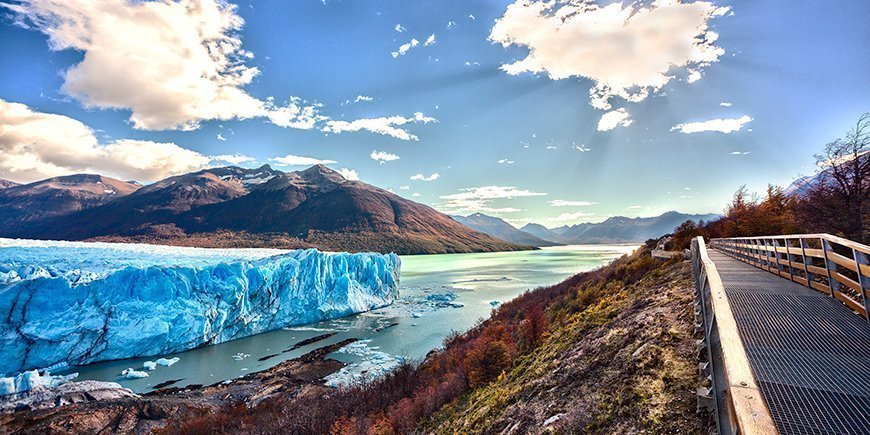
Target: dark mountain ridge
(232, 206)
(23, 204)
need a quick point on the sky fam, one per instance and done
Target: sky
(547, 112)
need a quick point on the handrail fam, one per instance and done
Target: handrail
(746, 411)
(832, 265)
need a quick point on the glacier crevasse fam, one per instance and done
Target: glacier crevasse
(77, 303)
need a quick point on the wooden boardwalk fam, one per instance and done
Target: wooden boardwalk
(809, 353)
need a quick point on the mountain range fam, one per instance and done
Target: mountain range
(617, 229)
(237, 207)
(500, 229)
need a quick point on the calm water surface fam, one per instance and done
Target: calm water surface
(438, 294)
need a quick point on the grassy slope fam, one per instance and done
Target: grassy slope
(624, 364)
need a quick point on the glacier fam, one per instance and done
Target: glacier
(81, 302)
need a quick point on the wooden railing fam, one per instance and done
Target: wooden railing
(737, 401)
(829, 264)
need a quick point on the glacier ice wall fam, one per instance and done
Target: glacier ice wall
(76, 303)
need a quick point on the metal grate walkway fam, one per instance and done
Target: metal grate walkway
(809, 353)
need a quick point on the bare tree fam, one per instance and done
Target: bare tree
(840, 199)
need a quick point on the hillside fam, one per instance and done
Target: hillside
(500, 229)
(6, 183)
(58, 196)
(262, 207)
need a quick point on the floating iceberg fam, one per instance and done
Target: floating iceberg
(76, 303)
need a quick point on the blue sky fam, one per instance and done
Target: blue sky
(523, 145)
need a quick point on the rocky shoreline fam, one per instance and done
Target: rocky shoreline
(91, 407)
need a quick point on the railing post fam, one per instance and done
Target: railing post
(829, 266)
(791, 260)
(863, 281)
(810, 277)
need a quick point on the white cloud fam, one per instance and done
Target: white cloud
(399, 28)
(36, 145)
(628, 50)
(613, 119)
(727, 125)
(294, 114)
(421, 177)
(430, 40)
(582, 148)
(387, 126)
(404, 48)
(451, 25)
(416, 195)
(479, 199)
(234, 159)
(634, 207)
(406, 187)
(362, 98)
(693, 76)
(725, 104)
(291, 160)
(172, 64)
(563, 203)
(383, 156)
(349, 174)
(740, 153)
(221, 137)
(569, 217)
(506, 161)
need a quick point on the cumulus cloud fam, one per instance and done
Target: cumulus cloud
(172, 64)
(582, 148)
(505, 161)
(388, 126)
(291, 160)
(740, 153)
(569, 217)
(416, 195)
(725, 104)
(399, 28)
(383, 156)
(349, 174)
(628, 50)
(405, 187)
(221, 137)
(430, 40)
(563, 203)
(404, 48)
(726, 125)
(479, 199)
(233, 159)
(36, 145)
(421, 177)
(613, 119)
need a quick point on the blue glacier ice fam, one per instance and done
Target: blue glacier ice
(77, 302)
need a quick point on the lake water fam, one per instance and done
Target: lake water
(438, 294)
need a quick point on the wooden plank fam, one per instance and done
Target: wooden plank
(846, 281)
(820, 287)
(817, 270)
(848, 263)
(851, 303)
(800, 280)
(813, 252)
